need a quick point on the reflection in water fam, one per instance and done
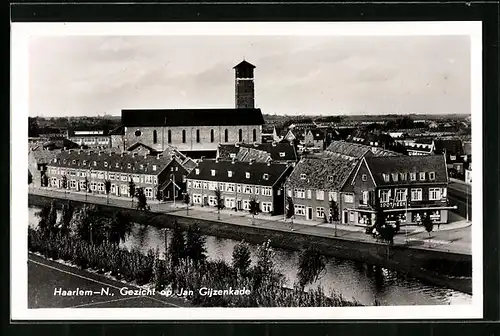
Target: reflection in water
(353, 279)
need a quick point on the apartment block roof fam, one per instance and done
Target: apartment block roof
(390, 165)
(113, 162)
(256, 173)
(323, 172)
(356, 151)
(193, 117)
(282, 151)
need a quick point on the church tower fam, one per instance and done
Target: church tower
(244, 87)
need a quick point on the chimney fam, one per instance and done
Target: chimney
(100, 153)
(217, 159)
(159, 155)
(233, 160)
(269, 161)
(71, 150)
(255, 144)
(65, 148)
(134, 154)
(237, 145)
(252, 161)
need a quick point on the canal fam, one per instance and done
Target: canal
(365, 283)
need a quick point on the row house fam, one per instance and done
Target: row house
(87, 171)
(239, 182)
(404, 187)
(315, 182)
(355, 151)
(277, 152)
(315, 138)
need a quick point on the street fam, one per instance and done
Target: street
(457, 240)
(48, 279)
(460, 195)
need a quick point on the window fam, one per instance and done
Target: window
(189, 183)
(117, 165)
(400, 195)
(302, 176)
(141, 166)
(212, 185)
(256, 190)
(136, 178)
(265, 176)
(205, 185)
(212, 172)
(72, 184)
(320, 212)
(254, 135)
(395, 177)
(95, 163)
(221, 186)
(416, 194)
(148, 179)
(84, 162)
(432, 176)
(365, 197)
(247, 175)
(351, 216)
(211, 135)
(247, 189)
(100, 176)
(196, 184)
(300, 209)
(93, 186)
(198, 136)
(330, 178)
(111, 176)
(403, 176)
(267, 206)
(197, 171)
(349, 198)
(300, 193)
(384, 196)
(229, 173)
(100, 186)
(443, 193)
(434, 194)
(154, 167)
(421, 176)
(183, 136)
(238, 188)
(282, 154)
(267, 191)
(246, 204)
(169, 136)
(82, 185)
(230, 187)
(196, 198)
(320, 195)
(226, 135)
(364, 177)
(137, 133)
(332, 195)
(129, 166)
(386, 177)
(148, 192)
(309, 194)
(413, 176)
(453, 157)
(240, 135)
(229, 203)
(155, 137)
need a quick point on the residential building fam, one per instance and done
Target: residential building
(315, 138)
(277, 152)
(91, 138)
(315, 181)
(38, 159)
(355, 151)
(78, 166)
(239, 182)
(404, 187)
(199, 131)
(117, 137)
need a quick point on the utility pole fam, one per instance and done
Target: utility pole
(406, 218)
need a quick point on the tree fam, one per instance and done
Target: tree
(253, 208)
(311, 265)
(44, 180)
(141, 199)
(64, 183)
(89, 224)
(177, 246)
(334, 212)
(325, 219)
(43, 215)
(195, 244)
(241, 257)
(66, 215)
(186, 199)
(118, 227)
(290, 210)
(107, 186)
(86, 186)
(219, 201)
(265, 265)
(131, 190)
(52, 218)
(428, 224)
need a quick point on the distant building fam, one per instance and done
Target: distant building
(38, 159)
(354, 151)
(276, 152)
(315, 138)
(239, 182)
(199, 131)
(90, 137)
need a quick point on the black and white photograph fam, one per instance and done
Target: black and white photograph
(246, 171)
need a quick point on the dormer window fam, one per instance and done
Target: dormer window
(413, 176)
(95, 163)
(117, 165)
(105, 164)
(154, 167)
(395, 177)
(302, 176)
(282, 154)
(229, 173)
(421, 176)
(432, 176)
(386, 177)
(364, 177)
(232, 155)
(197, 171)
(55, 160)
(266, 176)
(247, 175)
(84, 162)
(330, 178)
(212, 172)
(141, 166)
(74, 161)
(129, 166)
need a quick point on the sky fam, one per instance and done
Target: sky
(306, 75)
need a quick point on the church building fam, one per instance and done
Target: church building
(199, 132)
